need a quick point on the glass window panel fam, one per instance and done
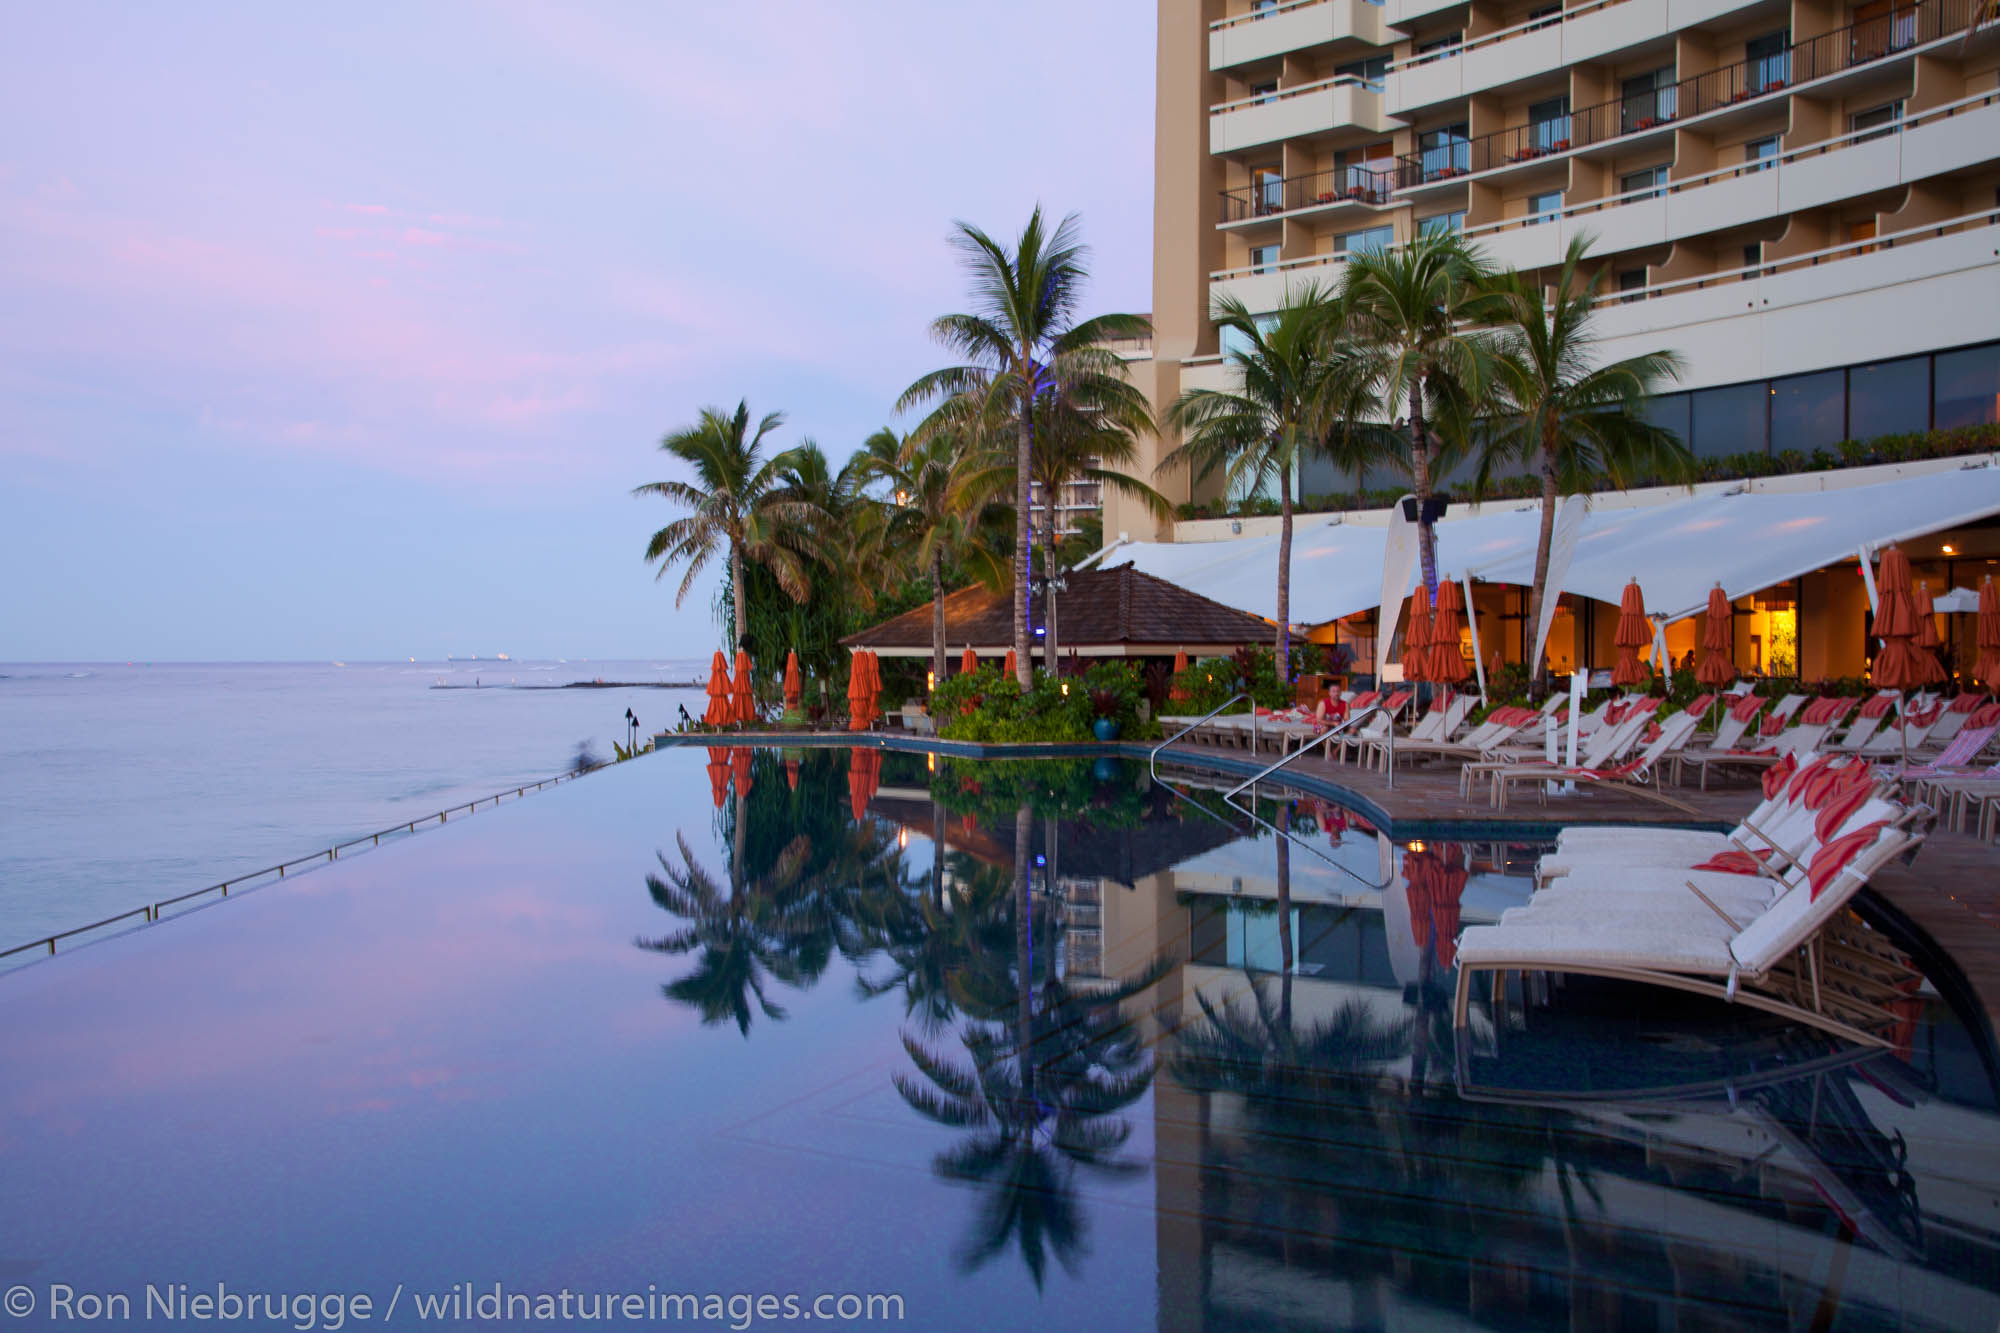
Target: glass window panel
(1371, 238)
(1762, 154)
(1968, 386)
(1443, 224)
(1546, 205)
(1263, 256)
(1670, 411)
(1889, 398)
(1730, 420)
(1807, 411)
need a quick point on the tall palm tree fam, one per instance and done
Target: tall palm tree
(1576, 423)
(941, 504)
(736, 501)
(1293, 377)
(1416, 305)
(1023, 340)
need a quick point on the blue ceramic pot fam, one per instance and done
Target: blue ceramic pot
(1106, 728)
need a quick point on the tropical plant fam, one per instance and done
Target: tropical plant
(941, 509)
(736, 503)
(1415, 306)
(1575, 423)
(1021, 341)
(1294, 379)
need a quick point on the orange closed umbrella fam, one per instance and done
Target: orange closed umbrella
(1633, 634)
(1180, 661)
(718, 773)
(745, 709)
(857, 692)
(719, 712)
(793, 686)
(1718, 643)
(1417, 638)
(1930, 671)
(1446, 662)
(1989, 632)
(1896, 666)
(874, 684)
(1008, 670)
(740, 760)
(970, 662)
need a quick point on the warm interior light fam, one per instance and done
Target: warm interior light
(1413, 846)
(930, 762)
(902, 837)
(930, 680)
(1949, 549)
(1065, 687)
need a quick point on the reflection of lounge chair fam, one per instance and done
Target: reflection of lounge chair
(1801, 956)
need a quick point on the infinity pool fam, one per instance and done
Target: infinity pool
(948, 1045)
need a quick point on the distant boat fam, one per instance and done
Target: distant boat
(504, 658)
(340, 664)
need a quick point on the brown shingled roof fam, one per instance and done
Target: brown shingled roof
(1102, 609)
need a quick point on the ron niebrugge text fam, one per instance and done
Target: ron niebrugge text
(331, 1311)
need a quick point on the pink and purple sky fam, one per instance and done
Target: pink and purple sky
(346, 335)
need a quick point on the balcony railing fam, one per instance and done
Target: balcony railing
(1286, 94)
(1367, 185)
(1698, 94)
(1568, 15)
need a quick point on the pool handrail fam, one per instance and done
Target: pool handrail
(1153, 759)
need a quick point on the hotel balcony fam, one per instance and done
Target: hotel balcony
(1593, 30)
(1711, 99)
(1298, 26)
(1343, 102)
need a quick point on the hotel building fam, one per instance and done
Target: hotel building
(1798, 196)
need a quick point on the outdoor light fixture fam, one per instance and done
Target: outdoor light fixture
(930, 762)
(1413, 846)
(1949, 549)
(930, 680)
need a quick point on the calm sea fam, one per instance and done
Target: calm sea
(123, 784)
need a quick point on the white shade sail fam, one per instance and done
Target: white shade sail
(1678, 548)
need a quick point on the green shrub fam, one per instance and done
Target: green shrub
(987, 708)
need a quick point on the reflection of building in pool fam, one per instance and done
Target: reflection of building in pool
(1364, 1192)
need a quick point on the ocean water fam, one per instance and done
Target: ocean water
(124, 784)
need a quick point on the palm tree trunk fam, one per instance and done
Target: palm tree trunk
(937, 615)
(1539, 671)
(1024, 950)
(1049, 570)
(1285, 917)
(1420, 474)
(1023, 455)
(1283, 662)
(742, 626)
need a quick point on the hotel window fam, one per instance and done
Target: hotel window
(1361, 242)
(1548, 125)
(1544, 17)
(1648, 100)
(1809, 412)
(1761, 154)
(1264, 92)
(1968, 386)
(1889, 398)
(1259, 8)
(1631, 280)
(1770, 60)
(1881, 27)
(1882, 120)
(1731, 420)
(1370, 71)
(1263, 257)
(1753, 255)
(1445, 150)
(1235, 340)
(1646, 184)
(1437, 48)
(1670, 412)
(1544, 206)
(1442, 224)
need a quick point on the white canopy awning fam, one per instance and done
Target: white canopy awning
(1678, 548)
(1753, 540)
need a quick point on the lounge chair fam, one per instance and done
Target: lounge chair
(1606, 746)
(1481, 743)
(1866, 723)
(1638, 776)
(1436, 726)
(1769, 749)
(1377, 725)
(1802, 956)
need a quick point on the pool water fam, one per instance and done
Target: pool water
(1019, 1045)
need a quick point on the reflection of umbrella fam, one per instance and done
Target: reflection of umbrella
(1446, 663)
(1989, 632)
(746, 702)
(741, 762)
(857, 692)
(1417, 638)
(718, 772)
(719, 712)
(1447, 888)
(792, 683)
(1718, 642)
(1927, 641)
(864, 775)
(1633, 634)
(792, 774)
(970, 662)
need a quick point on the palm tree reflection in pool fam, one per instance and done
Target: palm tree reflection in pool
(1050, 1068)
